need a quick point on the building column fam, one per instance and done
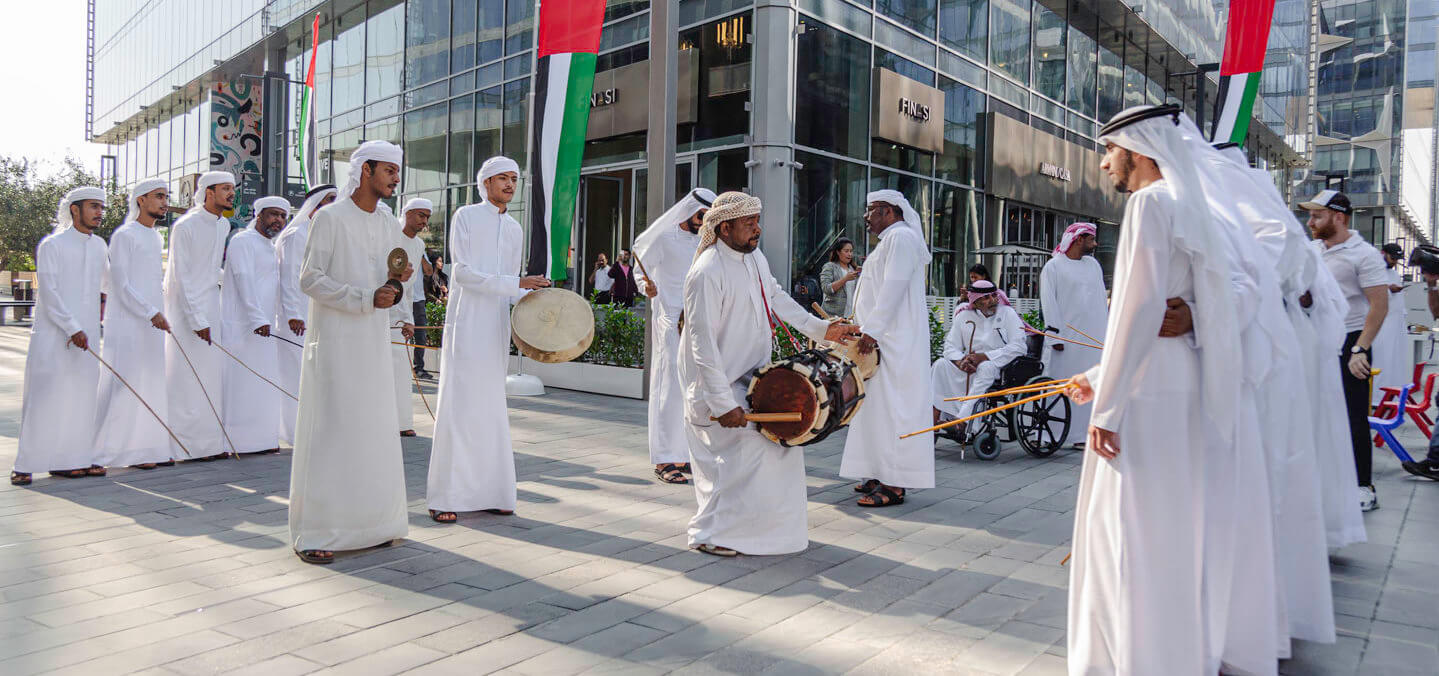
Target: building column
(772, 122)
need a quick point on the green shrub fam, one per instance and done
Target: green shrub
(936, 334)
(434, 316)
(619, 337)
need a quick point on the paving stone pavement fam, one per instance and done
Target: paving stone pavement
(186, 570)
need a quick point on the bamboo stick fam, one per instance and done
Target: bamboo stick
(968, 418)
(1096, 340)
(1030, 329)
(1039, 387)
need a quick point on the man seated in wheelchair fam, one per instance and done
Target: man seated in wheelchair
(985, 336)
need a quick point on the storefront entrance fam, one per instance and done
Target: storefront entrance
(611, 212)
(1042, 228)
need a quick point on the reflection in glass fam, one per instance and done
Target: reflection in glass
(1049, 53)
(1082, 67)
(462, 123)
(917, 15)
(427, 41)
(964, 26)
(490, 36)
(723, 73)
(489, 115)
(957, 213)
(385, 53)
(519, 26)
(832, 91)
(516, 111)
(1009, 49)
(828, 204)
(1111, 84)
(963, 133)
(348, 73)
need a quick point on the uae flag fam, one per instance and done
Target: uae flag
(568, 38)
(1244, 46)
(305, 143)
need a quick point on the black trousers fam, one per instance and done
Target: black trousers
(1356, 404)
(418, 309)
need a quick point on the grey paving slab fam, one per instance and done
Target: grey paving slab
(187, 571)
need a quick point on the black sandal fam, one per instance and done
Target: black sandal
(669, 473)
(885, 493)
(444, 517)
(868, 486)
(167, 463)
(499, 512)
(20, 479)
(407, 433)
(316, 556)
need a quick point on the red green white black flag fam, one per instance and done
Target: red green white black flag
(1245, 43)
(567, 42)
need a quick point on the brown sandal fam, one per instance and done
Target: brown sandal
(407, 433)
(444, 517)
(95, 470)
(143, 465)
(316, 556)
(71, 473)
(884, 496)
(500, 512)
(20, 479)
(716, 550)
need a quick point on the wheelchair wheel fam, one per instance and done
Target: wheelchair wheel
(986, 446)
(1042, 426)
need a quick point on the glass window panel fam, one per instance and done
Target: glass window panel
(490, 36)
(516, 111)
(903, 66)
(832, 98)
(425, 145)
(1133, 87)
(964, 26)
(489, 115)
(724, 170)
(1009, 48)
(462, 49)
(838, 13)
(916, 15)
(1009, 91)
(348, 73)
(385, 53)
(903, 42)
(384, 130)
(828, 204)
(1111, 84)
(427, 41)
(963, 133)
(462, 124)
(630, 30)
(618, 9)
(724, 70)
(1154, 92)
(460, 84)
(916, 190)
(426, 95)
(386, 108)
(519, 25)
(1049, 52)
(516, 66)
(491, 74)
(957, 215)
(1083, 78)
(695, 11)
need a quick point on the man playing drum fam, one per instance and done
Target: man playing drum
(985, 335)
(472, 464)
(751, 493)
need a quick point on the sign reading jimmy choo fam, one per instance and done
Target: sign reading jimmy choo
(1053, 171)
(907, 112)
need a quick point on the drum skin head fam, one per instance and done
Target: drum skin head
(822, 385)
(780, 390)
(552, 325)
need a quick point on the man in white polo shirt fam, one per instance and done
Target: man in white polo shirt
(1360, 271)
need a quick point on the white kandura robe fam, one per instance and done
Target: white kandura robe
(1136, 596)
(1071, 292)
(57, 414)
(1392, 353)
(750, 491)
(999, 336)
(1334, 453)
(668, 260)
(293, 304)
(127, 433)
(472, 461)
(251, 408)
(192, 303)
(347, 480)
(399, 354)
(889, 306)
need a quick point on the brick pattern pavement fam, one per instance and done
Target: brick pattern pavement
(186, 570)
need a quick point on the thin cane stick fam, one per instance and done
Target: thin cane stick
(968, 418)
(969, 347)
(411, 357)
(1037, 332)
(1066, 558)
(233, 453)
(288, 341)
(1039, 387)
(400, 342)
(121, 378)
(257, 373)
(1096, 340)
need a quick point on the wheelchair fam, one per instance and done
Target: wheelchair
(1039, 426)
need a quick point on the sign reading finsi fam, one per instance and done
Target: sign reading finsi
(907, 112)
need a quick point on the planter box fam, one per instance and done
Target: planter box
(595, 378)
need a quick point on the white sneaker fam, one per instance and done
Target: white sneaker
(1368, 499)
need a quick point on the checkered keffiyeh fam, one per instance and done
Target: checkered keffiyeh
(727, 206)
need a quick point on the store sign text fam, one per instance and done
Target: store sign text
(914, 110)
(1054, 171)
(604, 97)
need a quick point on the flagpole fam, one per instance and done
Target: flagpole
(521, 384)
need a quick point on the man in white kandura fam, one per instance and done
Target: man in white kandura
(1275, 372)
(1150, 582)
(57, 414)
(126, 433)
(1074, 303)
(294, 305)
(751, 491)
(414, 218)
(251, 408)
(347, 479)
(890, 309)
(968, 367)
(472, 462)
(1391, 346)
(193, 366)
(667, 248)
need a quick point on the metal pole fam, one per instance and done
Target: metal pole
(663, 92)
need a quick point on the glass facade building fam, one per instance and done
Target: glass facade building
(785, 100)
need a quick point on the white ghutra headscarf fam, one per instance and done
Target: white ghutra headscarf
(63, 220)
(312, 201)
(911, 217)
(683, 210)
(379, 151)
(141, 189)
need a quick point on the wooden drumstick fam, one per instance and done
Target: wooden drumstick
(820, 310)
(770, 417)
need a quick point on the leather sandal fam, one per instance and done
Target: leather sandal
(444, 517)
(20, 479)
(884, 496)
(670, 473)
(316, 556)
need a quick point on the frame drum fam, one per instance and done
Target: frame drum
(821, 385)
(552, 325)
